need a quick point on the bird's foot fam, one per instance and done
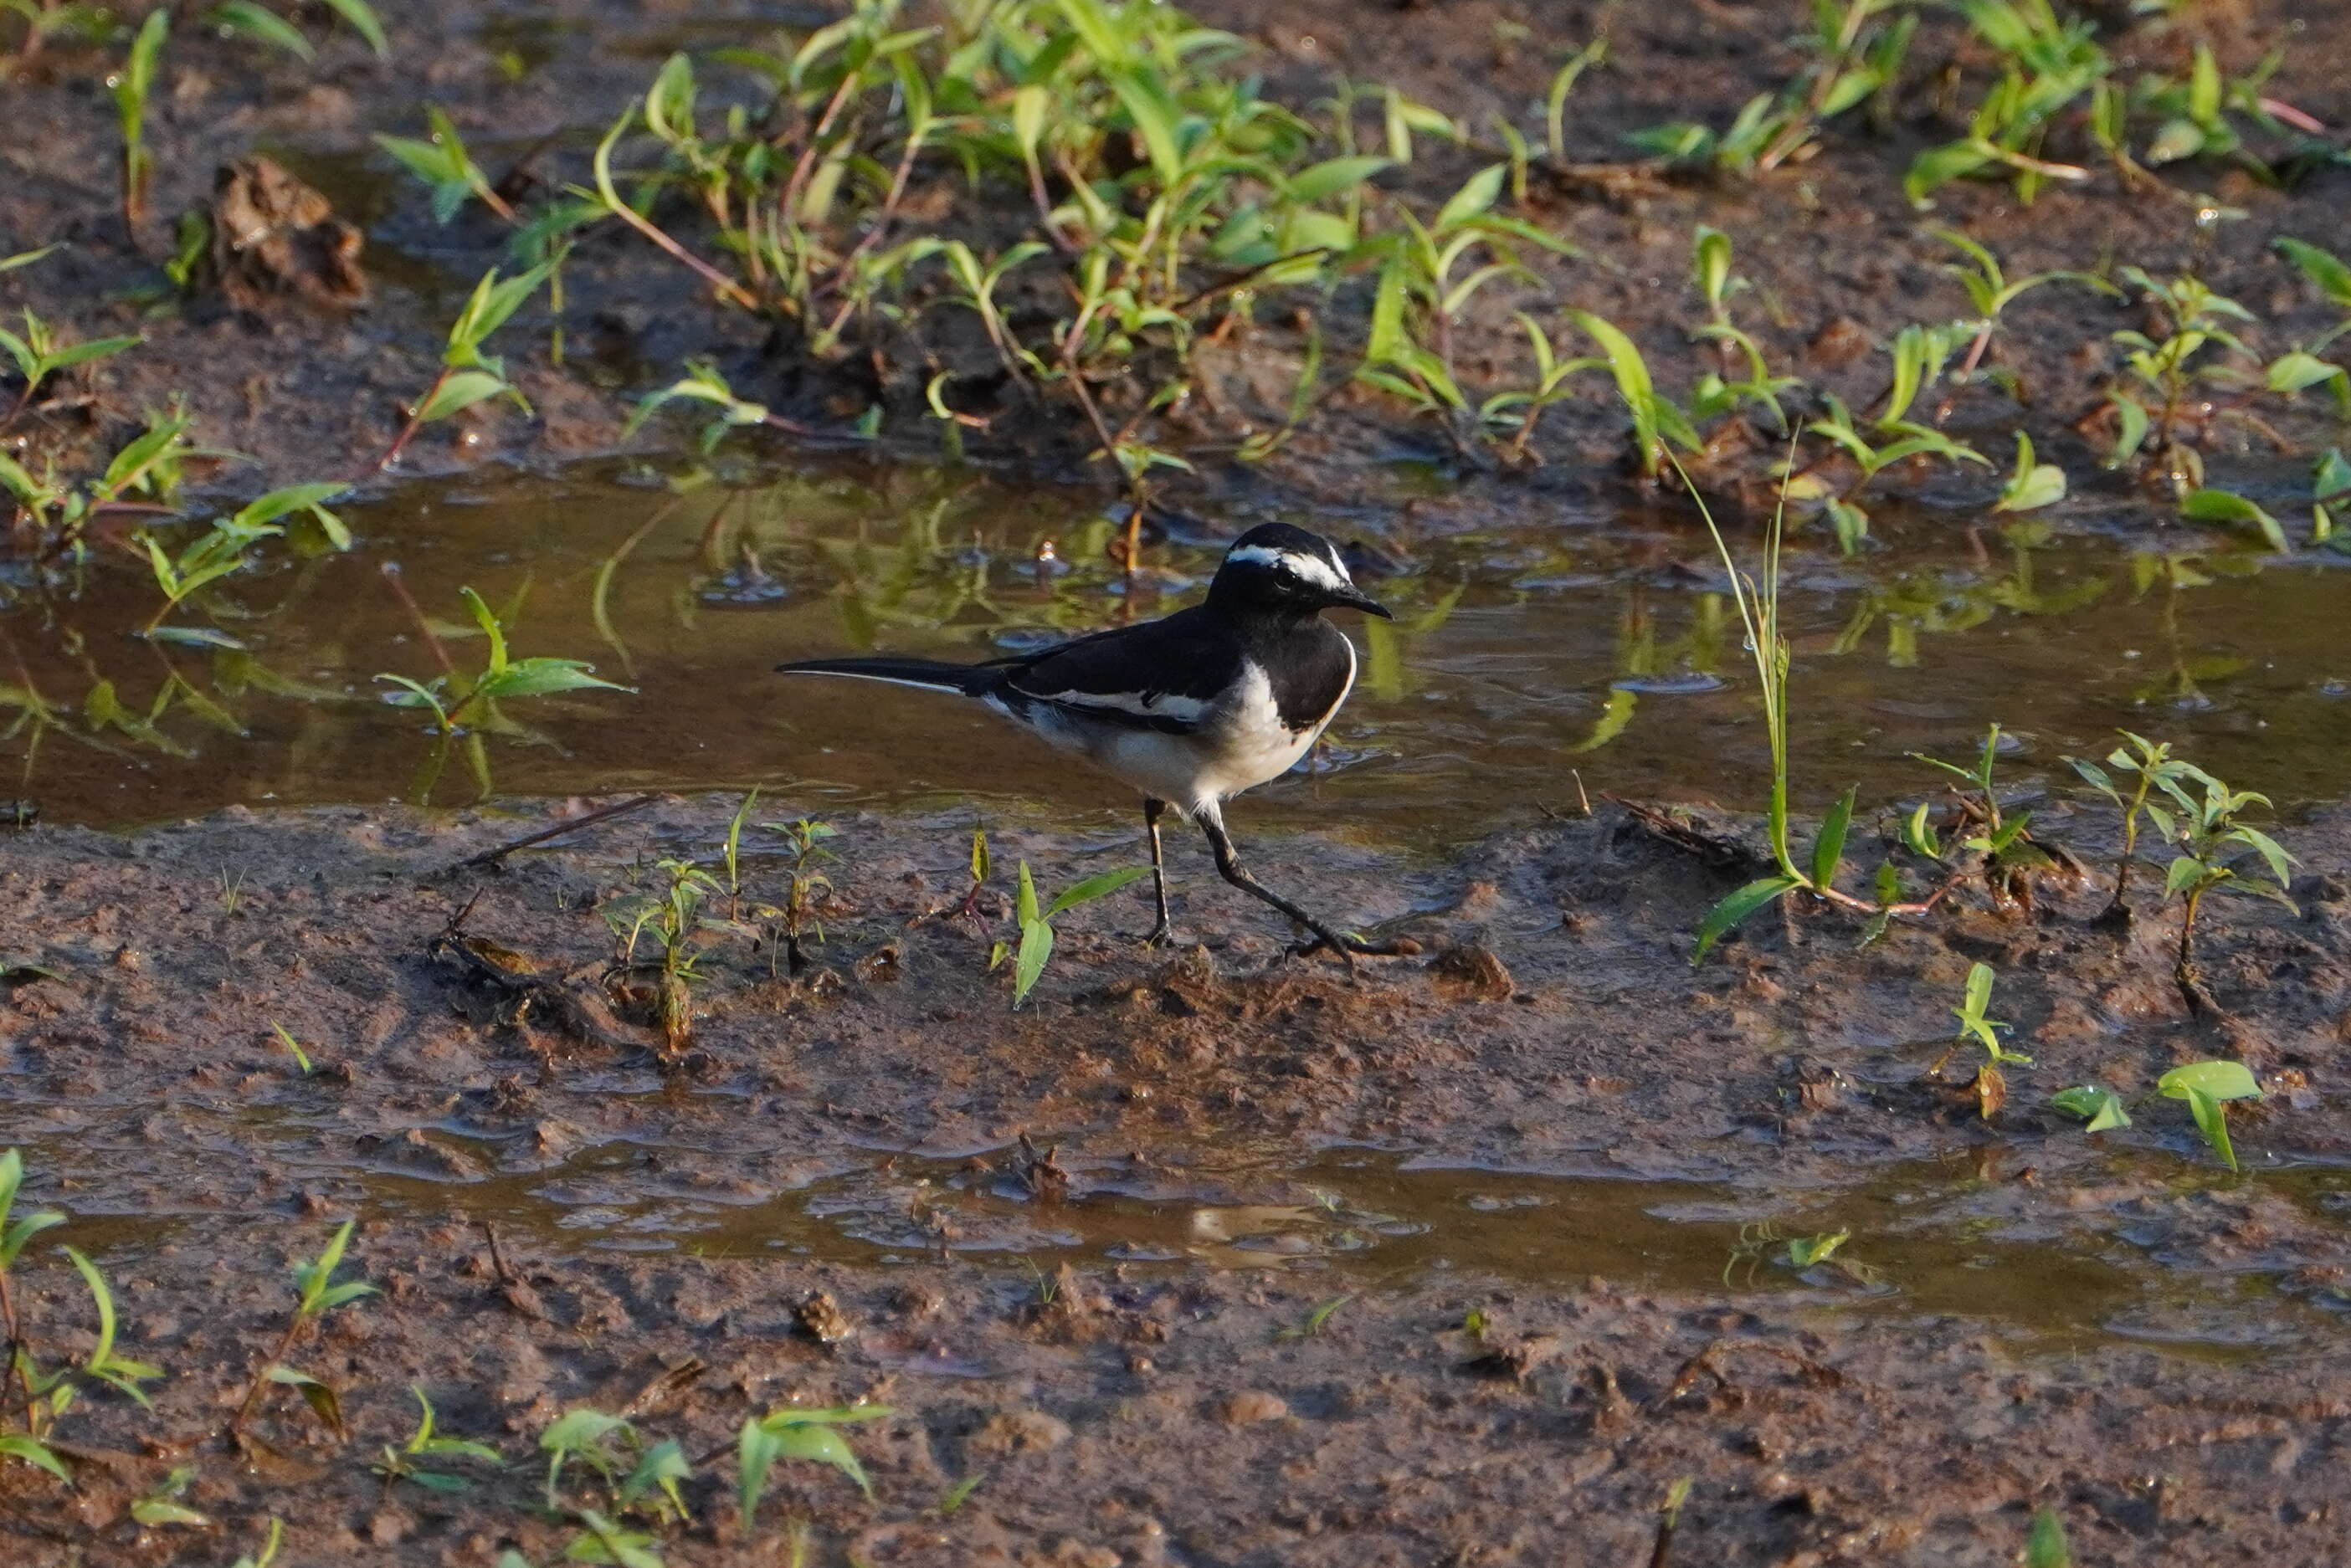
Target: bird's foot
(1350, 947)
(1161, 935)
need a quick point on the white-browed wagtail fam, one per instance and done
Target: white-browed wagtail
(1192, 709)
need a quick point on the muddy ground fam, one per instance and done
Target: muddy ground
(315, 387)
(1167, 1403)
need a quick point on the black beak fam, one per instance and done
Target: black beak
(1349, 596)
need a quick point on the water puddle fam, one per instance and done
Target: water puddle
(1929, 1238)
(1516, 657)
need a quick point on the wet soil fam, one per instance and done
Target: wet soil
(1552, 1121)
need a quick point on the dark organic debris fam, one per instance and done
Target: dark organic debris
(275, 239)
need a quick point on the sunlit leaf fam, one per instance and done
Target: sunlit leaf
(1735, 908)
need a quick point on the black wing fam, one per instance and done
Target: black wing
(1163, 675)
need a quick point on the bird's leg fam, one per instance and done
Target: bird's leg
(1229, 867)
(1164, 930)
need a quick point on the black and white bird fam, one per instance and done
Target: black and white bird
(1192, 709)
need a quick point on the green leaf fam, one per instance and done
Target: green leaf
(1735, 907)
(259, 22)
(1093, 888)
(2045, 1547)
(1477, 193)
(361, 19)
(822, 1445)
(323, 1401)
(1024, 907)
(756, 1453)
(1155, 118)
(155, 1511)
(669, 102)
(543, 677)
(2212, 1121)
(2217, 1080)
(1940, 165)
(2032, 484)
(829, 1414)
(607, 1542)
(194, 637)
(459, 391)
(663, 1466)
(1036, 948)
(2294, 371)
(276, 503)
(73, 354)
(2229, 507)
(1828, 850)
(2321, 267)
(1979, 992)
(2176, 139)
(32, 1451)
(1320, 181)
(1030, 107)
(2100, 1108)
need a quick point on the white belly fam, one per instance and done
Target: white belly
(1244, 745)
(1241, 745)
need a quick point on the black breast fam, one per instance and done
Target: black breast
(1309, 665)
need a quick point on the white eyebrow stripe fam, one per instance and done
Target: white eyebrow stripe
(1313, 569)
(1149, 705)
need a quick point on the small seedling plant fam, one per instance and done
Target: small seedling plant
(806, 889)
(25, 1387)
(673, 920)
(793, 1433)
(133, 84)
(635, 1478)
(1758, 615)
(1857, 54)
(455, 702)
(1710, 257)
(1991, 291)
(1991, 1080)
(406, 1461)
(2215, 853)
(1036, 948)
(2208, 1087)
(467, 376)
(222, 548)
(2176, 389)
(448, 171)
(2148, 765)
(316, 1294)
(40, 354)
(2100, 1109)
(1891, 437)
(56, 512)
(2001, 839)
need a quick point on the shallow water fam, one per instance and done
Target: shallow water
(1521, 668)
(1947, 1237)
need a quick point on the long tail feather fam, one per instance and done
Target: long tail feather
(929, 674)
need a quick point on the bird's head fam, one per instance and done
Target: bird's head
(1285, 570)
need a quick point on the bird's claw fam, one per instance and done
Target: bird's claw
(1349, 948)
